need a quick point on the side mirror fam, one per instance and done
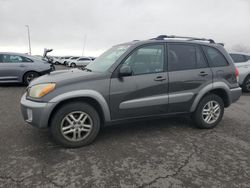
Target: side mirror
(125, 71)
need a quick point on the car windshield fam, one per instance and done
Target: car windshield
(107, 59)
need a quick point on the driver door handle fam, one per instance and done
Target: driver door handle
(202, 73)
(160, 78)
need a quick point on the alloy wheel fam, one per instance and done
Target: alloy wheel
(211, 112)
(76, 126)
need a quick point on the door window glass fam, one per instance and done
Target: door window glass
(11, 58)
(145, 60)
(201, 61)
(181, 57)
(1, 58)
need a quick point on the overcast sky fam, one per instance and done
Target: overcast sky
(62, 24)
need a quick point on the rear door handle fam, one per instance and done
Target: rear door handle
(159, 78)
(202, 73)
(21, 65)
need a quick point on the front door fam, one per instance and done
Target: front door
(145, 92)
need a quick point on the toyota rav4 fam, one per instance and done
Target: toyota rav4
(166, 75)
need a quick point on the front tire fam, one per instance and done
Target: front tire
(209, 112)
(29, 76)
(246, 84)
(73, 65)
(75, 124)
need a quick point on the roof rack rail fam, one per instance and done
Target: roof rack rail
(162, 37)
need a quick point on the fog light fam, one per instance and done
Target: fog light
(30, 116)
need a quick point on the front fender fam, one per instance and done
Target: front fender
(85, 93)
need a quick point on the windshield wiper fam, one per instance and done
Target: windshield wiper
(84, 68)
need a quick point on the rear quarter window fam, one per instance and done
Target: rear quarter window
(25, 59)
(215, 57)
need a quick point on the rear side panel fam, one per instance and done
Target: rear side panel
(221, 65)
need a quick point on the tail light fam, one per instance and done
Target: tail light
(237, 74)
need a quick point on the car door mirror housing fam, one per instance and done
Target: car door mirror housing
(125, 71)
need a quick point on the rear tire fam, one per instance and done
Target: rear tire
(73, 65)
(75, 124)
(29, 76)
(246, 84)
(209, 112)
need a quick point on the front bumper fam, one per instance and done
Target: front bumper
(36, 113)
(235, 94)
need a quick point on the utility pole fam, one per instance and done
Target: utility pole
(28, 29)
(84, 44)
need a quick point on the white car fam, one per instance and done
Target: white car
(81, 61)
(60, 60)
(56, 60)
(71, 59)
(242, 62)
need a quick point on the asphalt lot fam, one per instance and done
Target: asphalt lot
(158, 153)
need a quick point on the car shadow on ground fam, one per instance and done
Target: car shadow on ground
(121, 130)
(12, 85)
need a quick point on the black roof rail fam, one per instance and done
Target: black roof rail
(162, 37)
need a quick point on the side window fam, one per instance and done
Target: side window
(11, 58)
(181, 57)
(145, 60)
(247, 57)
(238, 58)
(25, 59)
(201, 62)
(15, 59)
(83, 59)
(215, 57)
(1, 58)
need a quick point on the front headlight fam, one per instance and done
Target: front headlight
(38, 91)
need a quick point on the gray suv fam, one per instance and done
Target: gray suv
(17, 67)
(136, 80)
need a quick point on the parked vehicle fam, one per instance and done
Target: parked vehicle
(135, 80)
(65, 59)
(82, 61)
(71, 59)
(242, 62)
(56, 60)
(16, 67)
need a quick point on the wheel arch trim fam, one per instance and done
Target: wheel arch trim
(209, 88)
(85, 93)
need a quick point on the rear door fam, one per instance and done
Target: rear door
(145, 92)
(11, 68)
(189, 72)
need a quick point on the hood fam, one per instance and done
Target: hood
(66, 76)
